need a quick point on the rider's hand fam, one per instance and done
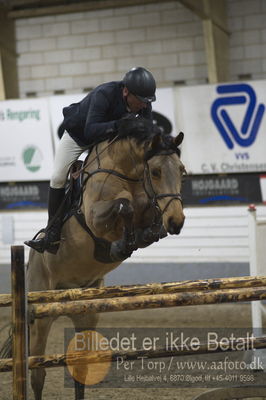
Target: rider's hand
(123, 123)
(134, 125)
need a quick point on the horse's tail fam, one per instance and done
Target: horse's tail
(6, 349)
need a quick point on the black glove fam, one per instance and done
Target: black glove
(122, 125)
(158, 129)
(131, 125)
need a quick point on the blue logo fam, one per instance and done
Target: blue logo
(237, 94)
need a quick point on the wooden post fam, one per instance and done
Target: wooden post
(19, 323)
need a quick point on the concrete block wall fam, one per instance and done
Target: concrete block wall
(75, 52)
(247, 24)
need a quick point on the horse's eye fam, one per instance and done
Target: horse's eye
(156, 172)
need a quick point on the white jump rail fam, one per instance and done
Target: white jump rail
(257, 260)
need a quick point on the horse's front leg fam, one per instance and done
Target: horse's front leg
(152, 229)
(145, 237)
(123, 248)
(112, 219)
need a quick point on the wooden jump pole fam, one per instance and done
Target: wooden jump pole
(19, 324)
(51, 296)
(61, 360)
(148, 301)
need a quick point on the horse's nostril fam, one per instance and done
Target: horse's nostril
(174, 228)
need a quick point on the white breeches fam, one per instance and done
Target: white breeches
(67, 152)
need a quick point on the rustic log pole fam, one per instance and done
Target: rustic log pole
(19, 324)
(50, 296)
(148, 301)
(61, 360)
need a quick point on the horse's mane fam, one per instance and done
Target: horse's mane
(143, 130)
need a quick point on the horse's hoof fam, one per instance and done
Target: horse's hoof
(119, 254)
(149, 236)
(163, 233)
(131, 246)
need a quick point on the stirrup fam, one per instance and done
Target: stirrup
(40, 245)
(36, 244)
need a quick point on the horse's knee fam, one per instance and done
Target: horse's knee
(124, 208)
(107, 214)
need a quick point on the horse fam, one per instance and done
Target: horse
(130, 198)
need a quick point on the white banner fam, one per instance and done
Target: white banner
(164, 105)
(26, 152)
(224, 126)
(56, 105)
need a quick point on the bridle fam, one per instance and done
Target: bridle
(149, 190)
(151, 193)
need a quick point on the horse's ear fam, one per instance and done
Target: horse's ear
(179, 139)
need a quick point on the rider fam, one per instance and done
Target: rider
(86, 123)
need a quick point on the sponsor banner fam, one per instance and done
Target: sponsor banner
(222, 189)
(23, 195)
(56, 105)
(26, 152)
(225, 127)
(163, 110)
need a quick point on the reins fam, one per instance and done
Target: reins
(76, 174)
(112, 172)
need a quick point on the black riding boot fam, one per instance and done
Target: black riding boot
(51, 240)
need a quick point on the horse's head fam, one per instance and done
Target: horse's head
(163, 179)
(143, 151)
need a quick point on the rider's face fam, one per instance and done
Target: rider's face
(133, 102)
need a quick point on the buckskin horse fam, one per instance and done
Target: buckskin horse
(130, 198)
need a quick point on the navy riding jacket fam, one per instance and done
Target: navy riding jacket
(94, 118)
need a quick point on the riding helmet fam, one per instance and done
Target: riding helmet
(141, 83)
